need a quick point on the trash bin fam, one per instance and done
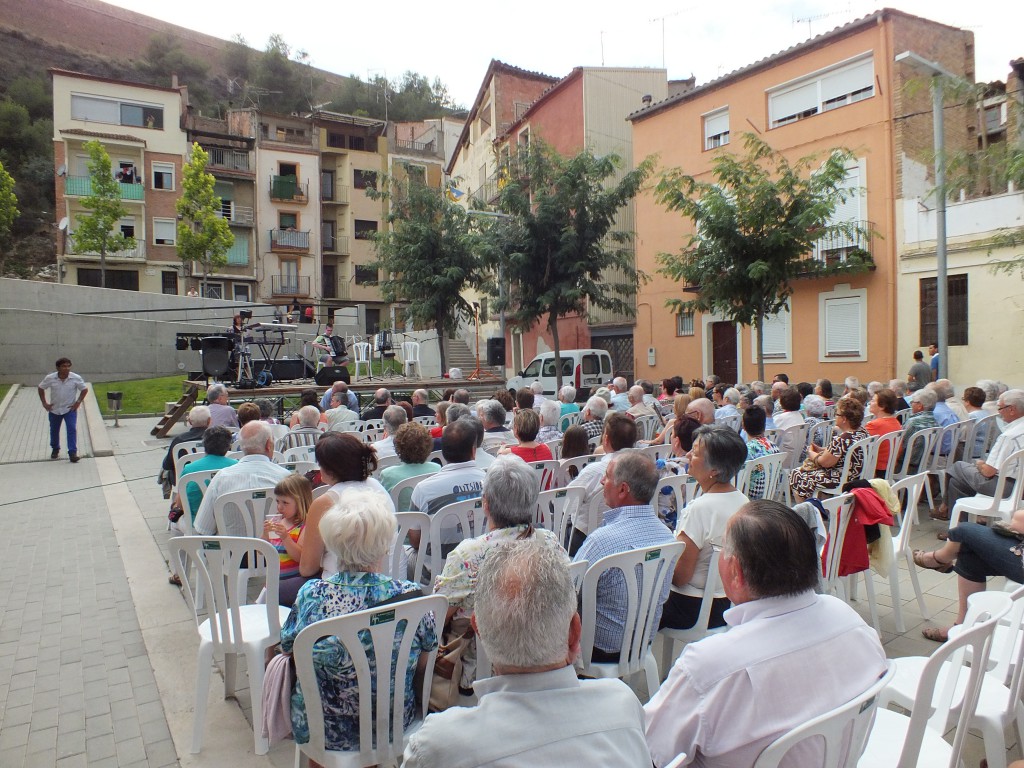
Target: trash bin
(114, 400)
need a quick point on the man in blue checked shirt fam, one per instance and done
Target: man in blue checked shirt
(629, 484)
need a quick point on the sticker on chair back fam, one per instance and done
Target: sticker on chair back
(654, 554)
(382, 618)
(866, 705)
(259, 494)
(211, 545)
(561, 494)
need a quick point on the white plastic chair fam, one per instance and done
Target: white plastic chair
(301, 453)
(384, 462)
(278, 431)
(186, 447)
(699, 630)
(232, 627)
(843, 731)
(555, 446)
(241, 513)
(403, 488)
(569, 419)
(792, 441)
(555, 508)
(547, 471)
(437, 457)
(390, 630)
(995, 505)
(910, 488)
(862, 448)
(840, 511)
(451, 524)
(373, 430)
(299, 467)
(397, 561)
(201, 478)
(772, 467)
(426, 421)
(577, 462)
(184, 459)
(921, 734)
(655, 452)
(410, 357)
(921, 442)
(577, 570)
(361, 358)
(891, 442)
(643, 592)
(999, 703)
(984, 429)
(298, 438)
(952, 435)
(683, 486)
(647, 427)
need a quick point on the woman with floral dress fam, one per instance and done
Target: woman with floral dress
(358, 531)
(824, 467)
(757, 446)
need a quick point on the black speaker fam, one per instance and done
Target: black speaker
(496, 351)
(216, 353)
(285, 369)
(330, 374)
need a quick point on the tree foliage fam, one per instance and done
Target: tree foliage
(754, 225)
(8, 204)
(428, 256)
(164, 57)
(203, 235)
(559, 244)
(94, 231)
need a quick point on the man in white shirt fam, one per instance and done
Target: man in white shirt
(492, 414)
(394, 417)
(67, 391)
(254, 470)
(790, 655)
(538, 394)
(534, 710)
(620, 400)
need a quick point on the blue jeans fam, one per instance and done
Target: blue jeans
(71, 420)
(984, 553)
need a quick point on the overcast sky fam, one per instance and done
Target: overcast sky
(455, 41)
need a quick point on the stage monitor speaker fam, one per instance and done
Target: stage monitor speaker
(216, 353)
(286, 369)
(330, 374)
(496, 351)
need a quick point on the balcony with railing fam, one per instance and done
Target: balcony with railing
(839, 248)
(228, 159)
(81, 186)
(289, 285)
(338, 289)
(138, 253)
(422, 147)
(333, 243)
(289, 240)
(340, 195)
(237, 215)
(289, 189)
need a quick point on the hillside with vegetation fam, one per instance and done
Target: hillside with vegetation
(98, 39)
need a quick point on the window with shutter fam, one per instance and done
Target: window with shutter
(165, 231)
(842, 327)
(716, 128)
(822, 91)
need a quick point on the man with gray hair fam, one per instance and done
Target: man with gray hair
(630, 522)
(620, 400)
(947, 394)
(969, 478)
(253, 470)
(381, 400)
(538, 393)
(198, 422)
(419, 404)
(567, 398)
(637, 406)
(992, 392)
(534, 710)
(221, 414)
(922, 406)
(394, 417)
(730, 399)
(492, 414)
(720, 704)
(550, 414)
(348, 398)
(306, 430)
(594, 413)
(899, 386)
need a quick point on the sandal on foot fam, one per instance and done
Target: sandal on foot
(935, 634)
(174, 579)
(936, 564)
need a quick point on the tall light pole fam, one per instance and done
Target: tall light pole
(937, 71)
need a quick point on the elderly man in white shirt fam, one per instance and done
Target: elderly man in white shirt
(534, 710)
(394, 417)
(620, 400)
(790, 655)
(254, 470)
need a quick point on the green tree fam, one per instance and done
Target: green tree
(8, 205)
(755, 223)
(429, 256)
(559, 242)
(203, 235)
(94, 231)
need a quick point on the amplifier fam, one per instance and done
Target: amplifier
(284, 369)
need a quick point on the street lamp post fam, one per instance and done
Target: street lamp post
(937, 71)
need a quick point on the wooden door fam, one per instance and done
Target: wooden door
(723, 352)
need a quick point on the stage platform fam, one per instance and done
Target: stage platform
(401, 388)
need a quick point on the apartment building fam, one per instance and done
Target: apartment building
(141, 128)
(586, 109)
(839, 89)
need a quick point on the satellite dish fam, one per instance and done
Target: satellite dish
(63, 224)
(62, 171)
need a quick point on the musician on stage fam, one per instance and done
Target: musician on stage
(325, 343)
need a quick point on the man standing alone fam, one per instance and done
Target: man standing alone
(920, 374)
(67, 391)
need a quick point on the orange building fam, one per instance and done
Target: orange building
(839, 89)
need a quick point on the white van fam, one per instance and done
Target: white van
(582, 368)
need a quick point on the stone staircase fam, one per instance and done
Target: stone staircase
(459, 355)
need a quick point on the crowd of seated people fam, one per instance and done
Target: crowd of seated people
(335, 549)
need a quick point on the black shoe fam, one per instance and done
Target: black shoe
(73, 457)
(55, 453)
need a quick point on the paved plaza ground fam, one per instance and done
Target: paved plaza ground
(97, 650)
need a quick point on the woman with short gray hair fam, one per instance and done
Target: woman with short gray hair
(509, 502)
(718, 454)
(550, 414)
(357, 531)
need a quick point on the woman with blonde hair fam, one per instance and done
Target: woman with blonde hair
(679, 406)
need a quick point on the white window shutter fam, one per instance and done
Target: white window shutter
(843, 324)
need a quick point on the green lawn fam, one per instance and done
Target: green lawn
(142, 395)
(3, 390)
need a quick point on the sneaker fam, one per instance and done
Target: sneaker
(73, 458)
(55, 453)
